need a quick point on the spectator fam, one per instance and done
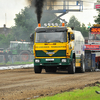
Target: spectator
(95, 37)
(11, 55)
(6, 56)
(97, 65)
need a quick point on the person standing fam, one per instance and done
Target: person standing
(95, 37)
(97, 65)
(11, 55)
(6, 56)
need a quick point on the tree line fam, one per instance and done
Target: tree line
(26, 22)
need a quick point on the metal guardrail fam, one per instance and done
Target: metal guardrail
(17, 58)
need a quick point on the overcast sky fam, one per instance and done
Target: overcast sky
(8, 9)
(87, 15)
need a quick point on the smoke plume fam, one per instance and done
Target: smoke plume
(38, 4)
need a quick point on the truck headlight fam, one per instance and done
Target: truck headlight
(63, 60)
(37, 60)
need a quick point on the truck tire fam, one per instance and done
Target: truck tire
(37, 69)
(71, 68)
(82, 68)
(24, 55)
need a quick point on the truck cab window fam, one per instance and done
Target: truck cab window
(51, 37)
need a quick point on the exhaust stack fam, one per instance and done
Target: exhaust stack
(39, 25)
(63, 24)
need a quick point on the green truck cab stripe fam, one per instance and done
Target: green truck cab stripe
(59, 53)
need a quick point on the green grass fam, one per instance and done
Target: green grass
(16, 63)
(87, 93)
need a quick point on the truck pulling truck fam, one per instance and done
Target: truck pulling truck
(58, 48)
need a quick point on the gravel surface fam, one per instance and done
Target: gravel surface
(23, 84)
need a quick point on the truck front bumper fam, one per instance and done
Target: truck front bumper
(52, 61)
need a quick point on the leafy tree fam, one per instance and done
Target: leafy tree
(73, 22)
(26, 22)
(84, 30)
(5, 40)
(97, 18)
(89, 25)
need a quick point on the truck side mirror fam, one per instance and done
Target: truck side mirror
(69, 36)
(72, 36)
(32, 37)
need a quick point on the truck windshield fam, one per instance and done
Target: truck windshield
(12, 45)
(51, 37)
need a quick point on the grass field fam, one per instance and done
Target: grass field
(88, 93)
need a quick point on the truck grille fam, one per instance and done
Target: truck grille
(59, 53)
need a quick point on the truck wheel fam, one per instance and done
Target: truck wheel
(37, 69)
(82, 68)
(24, 55)
(71, 68)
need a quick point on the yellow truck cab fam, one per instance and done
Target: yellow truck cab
(54, 49)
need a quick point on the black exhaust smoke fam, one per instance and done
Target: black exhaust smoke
(38, 4)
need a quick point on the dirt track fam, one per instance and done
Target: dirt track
(24, 84)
